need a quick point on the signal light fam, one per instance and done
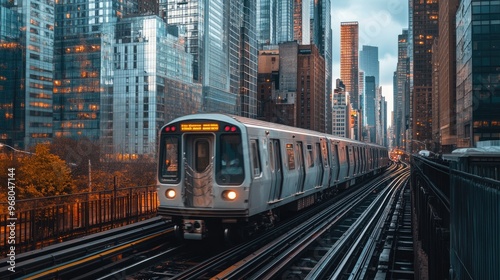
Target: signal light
(229, 128)
(170, 128)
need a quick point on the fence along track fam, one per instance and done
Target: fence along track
(46, 221)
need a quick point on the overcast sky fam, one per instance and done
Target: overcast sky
(380, 23)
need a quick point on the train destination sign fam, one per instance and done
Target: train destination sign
(199, 127)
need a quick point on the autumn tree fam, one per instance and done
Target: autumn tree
(43, 174)
(104, 171)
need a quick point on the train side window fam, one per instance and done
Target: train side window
(170, 159)
(255, 157)
(310, 156)
(290, 156)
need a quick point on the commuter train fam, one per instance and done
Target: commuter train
(223, 174)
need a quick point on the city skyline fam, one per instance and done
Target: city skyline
(380, 23)
(81, 67)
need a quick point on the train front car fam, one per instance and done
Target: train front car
(202, 182)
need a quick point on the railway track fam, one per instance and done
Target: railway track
(91, 253)
(341, 243)
(273, 253)
(343, 240)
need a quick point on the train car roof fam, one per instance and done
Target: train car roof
(491, 151)
(258, 123)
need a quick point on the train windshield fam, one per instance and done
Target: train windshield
(170, 159)
(230, 163)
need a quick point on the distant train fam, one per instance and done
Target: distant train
(219, 173)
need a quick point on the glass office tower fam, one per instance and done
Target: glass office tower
(26, 48)
(83, 55)
(152, 84)
(478, 65)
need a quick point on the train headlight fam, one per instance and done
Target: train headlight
(229, 195)
(170, 193)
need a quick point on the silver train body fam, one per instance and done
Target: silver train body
(224, 173)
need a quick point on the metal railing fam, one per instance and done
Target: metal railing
(458, 220)
(430, 183)
(44, 221)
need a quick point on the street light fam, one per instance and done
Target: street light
(14, 149)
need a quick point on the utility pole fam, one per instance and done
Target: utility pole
(90, 178)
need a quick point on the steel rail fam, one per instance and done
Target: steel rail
(360, 228)
(270, 258)
(360, 268)
(121, 245)
(223, 260)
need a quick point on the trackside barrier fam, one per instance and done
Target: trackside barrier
(458, 216)
(46, 221)
(475, 227)
(430, 190)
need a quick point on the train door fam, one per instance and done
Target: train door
(352, 163)
(335, 164)
(360, 153)
(319, 164)
(356, 159)
(275, 165)
(326, 162)
(300, 167)
(198, 157)
(348, 159)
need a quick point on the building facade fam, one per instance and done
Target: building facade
(152, 84)
(222, 37)
(424, 30)
(341, 105)
(401, 100)
(27, 49)
(277, 89)
(369, 63)
(478, 62)
(444, 135)
(370, 109)
(321, 36)
(349, 68)
(310, 99)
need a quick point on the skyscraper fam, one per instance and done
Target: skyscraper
(349, 71)
(266, 22)
(26, 49)
(215, 33)
(321, 36)
(401, 100)
(424, 30)
(444, 125)
(83, 62)
(310, 88)
(369, 63)
(152, 84)
(370, 109)
(301, 21)
(249, 60)
(478, 65)
(275, 21)
(349, 60)
(340, 119)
